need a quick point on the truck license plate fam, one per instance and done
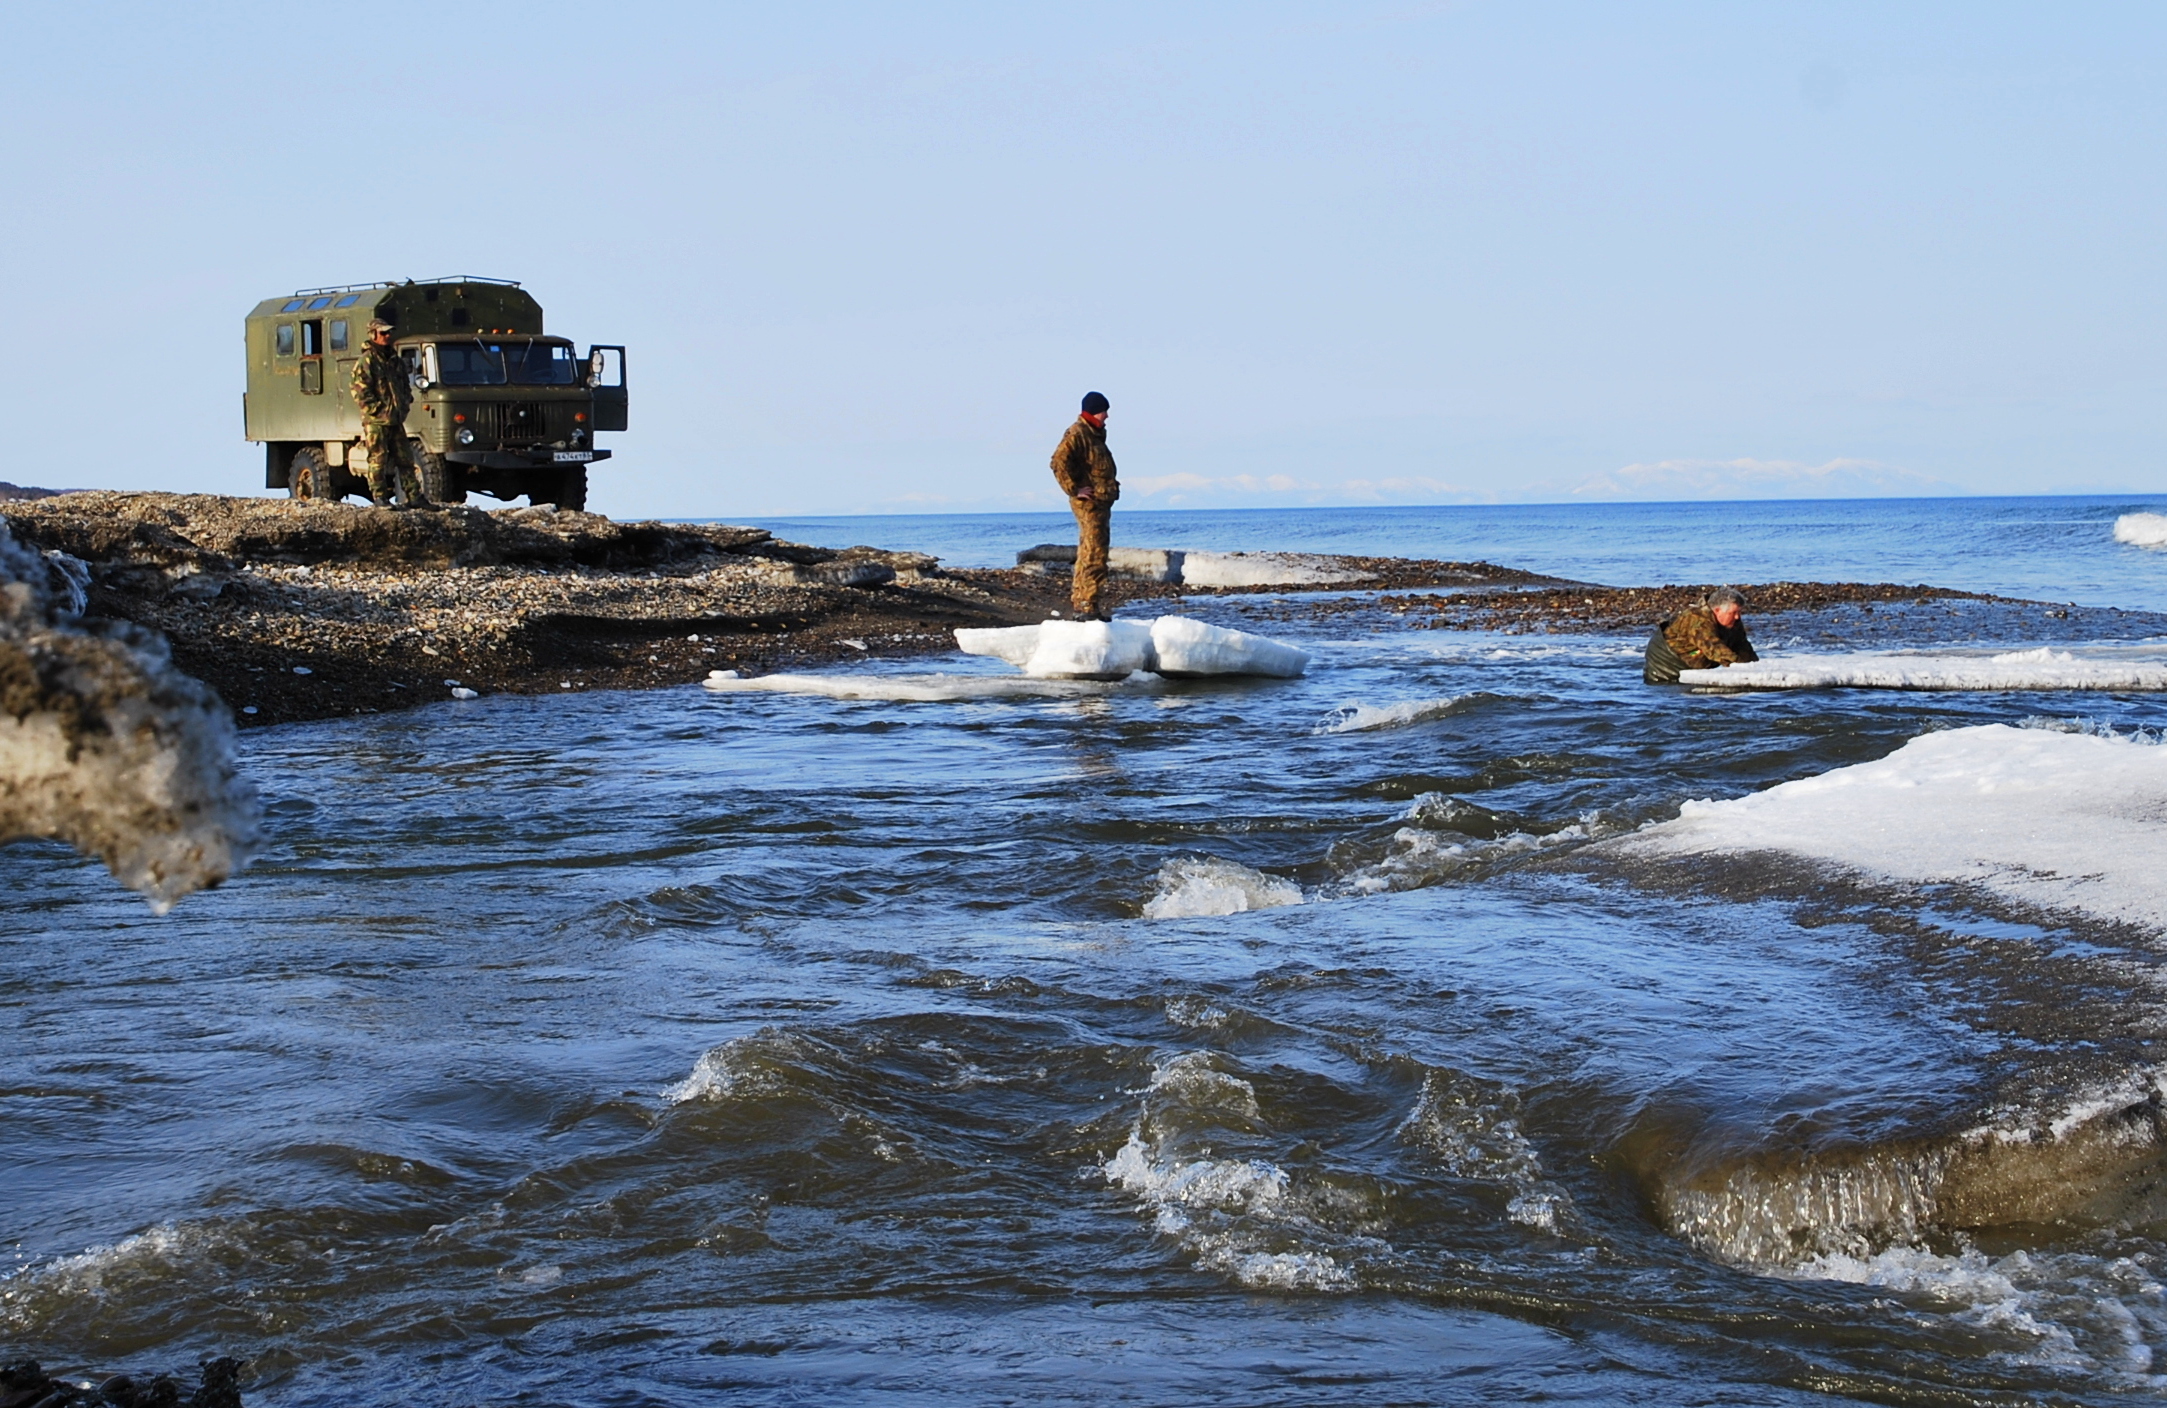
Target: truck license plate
(574, 456)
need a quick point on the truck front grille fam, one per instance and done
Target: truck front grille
(520, 422)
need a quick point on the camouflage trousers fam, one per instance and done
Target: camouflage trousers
(1094, 530)
(389, 456)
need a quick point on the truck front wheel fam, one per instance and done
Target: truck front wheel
(567, 488)
(441, 483)
(311, 476)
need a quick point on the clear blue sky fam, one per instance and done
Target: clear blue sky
(866, 258)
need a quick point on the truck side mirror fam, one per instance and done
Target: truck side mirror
(597, 364)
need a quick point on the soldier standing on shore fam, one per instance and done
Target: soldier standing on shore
(1084, 469)
(383, 391)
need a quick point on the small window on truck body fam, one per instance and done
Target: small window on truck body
(293, 305)
(312, 338)
(338, 334)
(284, 339)
(319, 303)
(348, 301)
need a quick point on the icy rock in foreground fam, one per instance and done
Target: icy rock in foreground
(1171, 645)
(2043, 668)
(2144, 530)
(2066, 821)
(106, 746)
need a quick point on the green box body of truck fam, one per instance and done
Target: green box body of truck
(500, 407)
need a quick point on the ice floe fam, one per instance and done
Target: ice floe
(1170, 645)
(2111, 668)
(2144, 530)
(2067, 821)
(925, 689)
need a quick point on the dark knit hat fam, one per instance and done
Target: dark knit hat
(1095, 404)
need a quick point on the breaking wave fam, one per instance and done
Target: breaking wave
(1197, 887)
(1361, 718)
(2144, 530)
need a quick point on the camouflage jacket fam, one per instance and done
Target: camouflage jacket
(382, 390)
(1081, 461)
(1702, 644)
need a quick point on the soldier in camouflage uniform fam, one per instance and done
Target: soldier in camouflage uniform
(1699, 638)
(1084, 469)
(383, 391)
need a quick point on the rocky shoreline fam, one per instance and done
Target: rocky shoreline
(295, 609)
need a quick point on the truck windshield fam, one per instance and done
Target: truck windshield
(499, 363)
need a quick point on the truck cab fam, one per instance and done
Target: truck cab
(501, 407)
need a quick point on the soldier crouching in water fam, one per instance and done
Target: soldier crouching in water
(383, 391)
(1699, 638)
(1085, 471)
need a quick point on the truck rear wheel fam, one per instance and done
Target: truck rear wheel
(567, 488)
(311, 476)
(441, 483)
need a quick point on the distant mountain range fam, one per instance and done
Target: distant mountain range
(21, 491)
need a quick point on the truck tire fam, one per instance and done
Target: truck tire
(311, 476)
(567, 488)
(441, 483)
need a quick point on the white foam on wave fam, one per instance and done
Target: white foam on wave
(1417, 857)
(1238, 1217)
(2067, 821)
(1362, 718)
(2144, 530)
(2043, 668)
(926, 689)
(1196, 887)
(31, 1297)
(1474, 1133)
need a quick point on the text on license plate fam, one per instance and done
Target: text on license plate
(574, 456)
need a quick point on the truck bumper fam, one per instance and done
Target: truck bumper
(524, 459)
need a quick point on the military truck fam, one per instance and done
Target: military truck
(500, 408)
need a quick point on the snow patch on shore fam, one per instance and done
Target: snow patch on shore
(2066, 821)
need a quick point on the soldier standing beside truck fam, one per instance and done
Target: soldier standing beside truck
(383, 392)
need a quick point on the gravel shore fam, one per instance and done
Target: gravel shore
(294, 609)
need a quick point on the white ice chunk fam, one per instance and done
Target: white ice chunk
(1090, 650)
(2144, 530)
(1011, 643)
(2044, 668)
(2062, 820)
(927, 689)
(1186, 647)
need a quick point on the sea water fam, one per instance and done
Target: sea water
(1206, 1042)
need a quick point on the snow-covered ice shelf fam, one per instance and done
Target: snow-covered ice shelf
(2067, 821)
(2121, 668)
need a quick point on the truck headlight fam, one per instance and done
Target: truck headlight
(466, 435)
